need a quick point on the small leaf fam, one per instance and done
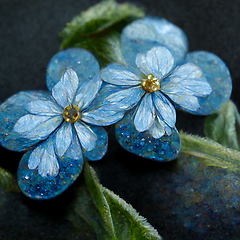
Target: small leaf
(224, 126)
(96, 19)
(8, 181)
(212, 153)
(109, 216)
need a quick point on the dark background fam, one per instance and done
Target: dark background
(29, 38)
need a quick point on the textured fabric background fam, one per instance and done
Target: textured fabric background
(29, 38)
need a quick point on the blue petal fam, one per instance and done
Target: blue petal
(36, 127)
(120, 75)
(87, 92)
(100, 149)
(143, 34)
(144, 145)
(185, 85)
(164, 109)
(35, 157)
(11, 111)
(157, 130)
(85, 135)
(145, 114)
(217, 75)
(44, 108)
(64, 91)
(80, 60)
(64, 137)
(157, 61)
(50, 182)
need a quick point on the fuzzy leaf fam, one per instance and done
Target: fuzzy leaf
(8, 181)
(212, 153)
(109, 216)
(97, 19)
(224, 126)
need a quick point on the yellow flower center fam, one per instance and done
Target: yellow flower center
(151, 84)
(71, 113)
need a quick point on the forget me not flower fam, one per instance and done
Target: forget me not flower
(153, 89)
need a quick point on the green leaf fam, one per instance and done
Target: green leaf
(8, 181)
(98, 30)
(109, 216)
(212, 153)
(96, 19)
(224, 126)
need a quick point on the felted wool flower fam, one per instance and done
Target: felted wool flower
(154, 76)
(56, 129)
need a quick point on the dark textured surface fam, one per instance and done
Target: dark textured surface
(29, 38)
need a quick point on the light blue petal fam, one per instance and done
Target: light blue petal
(157, 61)
(52, 176)
(143, 34)
(48, 165)
(63, 138)
(85, 135)
(145, 114)
(87, 92)
(164, 109)
(35, 157)
(10, 112)
(217, 75)
(80, 60)
(185, 85)
(157, 130)
(36, 127)
(44, 108)
(111, 104)
(120, 75)
(144, 145)
(100, 149)
(64, 91)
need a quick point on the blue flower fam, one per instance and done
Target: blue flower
(55, 127)
(153, 87)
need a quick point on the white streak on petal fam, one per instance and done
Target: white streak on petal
(35, 157)
(64, 91)
(87, 92)
(157, 61)
(86, 136)
(36, 127)
(63, 138)
(49, 163)
(164, 109)
(44, 108)
(144, 116)
(120, 75)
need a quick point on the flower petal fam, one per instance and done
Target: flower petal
(158, 61)
(64, 91)
(145, 114)
(217, 75)
(86, 136)
(100, 149)
(164, 109)
(87, 92)
(63, 138)
(144, 145)
(157, 130)
(120, 75)
(80, 60)
(44, 108)
(48, 165)
(36, 127)
(187, 81)
(10, 112)
(143, 34)
(52, 176)
(35, 157)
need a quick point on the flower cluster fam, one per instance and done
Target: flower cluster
(154, 76)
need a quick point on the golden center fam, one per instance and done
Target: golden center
(71, 113)
(151, 84)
